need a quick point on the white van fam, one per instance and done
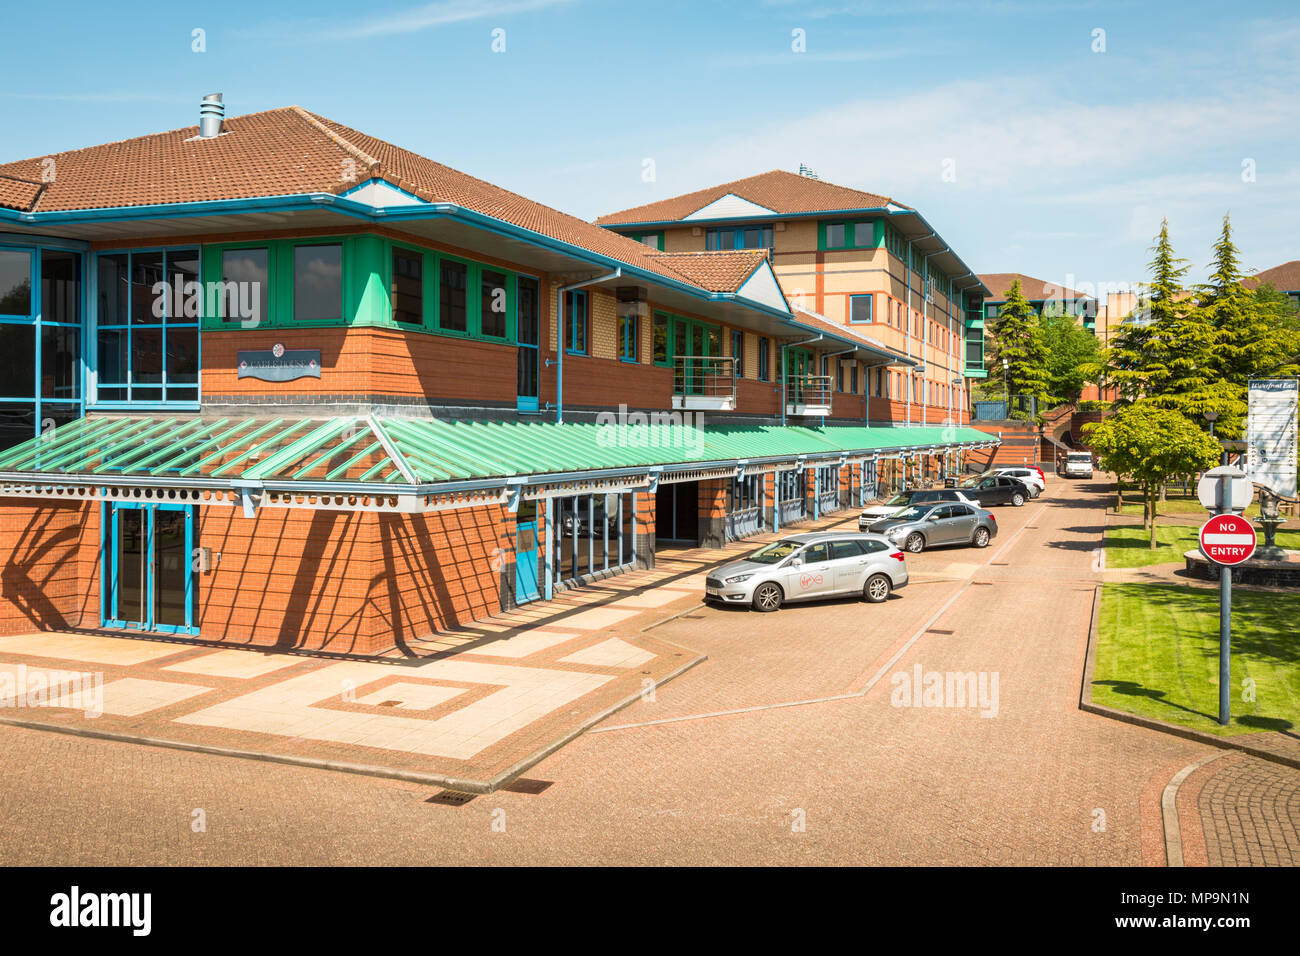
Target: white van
(1076, 464)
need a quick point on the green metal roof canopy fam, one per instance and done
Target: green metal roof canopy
(335, 461)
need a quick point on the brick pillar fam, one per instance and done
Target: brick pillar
(712, 512)
(769, 501)
(644, 524)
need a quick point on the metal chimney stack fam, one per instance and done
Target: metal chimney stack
(212, 113)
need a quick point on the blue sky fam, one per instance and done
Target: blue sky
(1063, 159)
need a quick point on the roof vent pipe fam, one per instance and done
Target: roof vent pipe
(212, 113)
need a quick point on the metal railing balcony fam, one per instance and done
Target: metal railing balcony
(808, 395)
(704, 382)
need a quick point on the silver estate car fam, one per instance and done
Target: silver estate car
(921, 526)
(808, 567)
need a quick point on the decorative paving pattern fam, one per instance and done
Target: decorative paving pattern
(472, 707)
(1250, 814)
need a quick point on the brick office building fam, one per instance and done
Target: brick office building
(272, 381)
(847, 259)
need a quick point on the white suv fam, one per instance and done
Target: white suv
(1033, 477)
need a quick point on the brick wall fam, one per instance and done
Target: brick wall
(47, 552)
(348, 582)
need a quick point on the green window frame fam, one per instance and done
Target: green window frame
(764, 359)
(660, 338)
(833, 234)
(641, 237)
(278, 308)
(738, 352)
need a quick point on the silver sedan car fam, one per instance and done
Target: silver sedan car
(809, 567)
(921, 526)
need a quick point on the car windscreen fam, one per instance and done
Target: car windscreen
(1076, 456)
(899, 500)
(775, 552)
(910, 514)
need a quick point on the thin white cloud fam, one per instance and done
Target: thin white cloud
(100, 97)
(429, 16)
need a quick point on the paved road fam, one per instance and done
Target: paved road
(789, 745)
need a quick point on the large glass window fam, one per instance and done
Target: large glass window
(15, 282)
(148, 326)
(738, 351)
(492, 316)
(318, 283)
(764, 359)
(591, 534)
(407, 293)
(40, 341)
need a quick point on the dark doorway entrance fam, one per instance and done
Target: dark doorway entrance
(677, 516)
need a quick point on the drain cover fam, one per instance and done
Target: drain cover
(450, 798)
(528, 785)
(935, 630)
(389, 703)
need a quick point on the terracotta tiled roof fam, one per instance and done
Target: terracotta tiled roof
(819, 323)
(1035, 290)
(283, 152)
(778, 190)
(720, 271)
(19, 193)
(1284, 278)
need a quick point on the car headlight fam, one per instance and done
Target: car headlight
(737, 578)
(896, 534)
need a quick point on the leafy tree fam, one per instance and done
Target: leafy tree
(1018, 342)
(1150, 446)
(1136, 357)
(1073, 357)
(1167, 353)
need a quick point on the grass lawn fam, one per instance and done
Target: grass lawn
(1175, 503)
(1126, 546)
(1158, 656)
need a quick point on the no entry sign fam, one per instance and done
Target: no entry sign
(1227, 539)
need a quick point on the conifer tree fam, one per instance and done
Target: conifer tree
(1018, 342)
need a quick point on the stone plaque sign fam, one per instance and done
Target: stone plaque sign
(278, 364)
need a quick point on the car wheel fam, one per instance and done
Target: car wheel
(1018, 499)
(876, 590)
(914, 542)
(767, 597)
(981, 538)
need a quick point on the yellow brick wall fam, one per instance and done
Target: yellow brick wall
(604, 325)
(750, 365)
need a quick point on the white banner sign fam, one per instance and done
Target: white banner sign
(1271, 433)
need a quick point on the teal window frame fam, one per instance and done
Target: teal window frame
(713, 237)
(45, 407)
(764, 370)
(738, 352)
(629, 338)
(572, 300)
(871, 308)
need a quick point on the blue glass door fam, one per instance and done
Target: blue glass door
(526, 558)
(149, 579)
